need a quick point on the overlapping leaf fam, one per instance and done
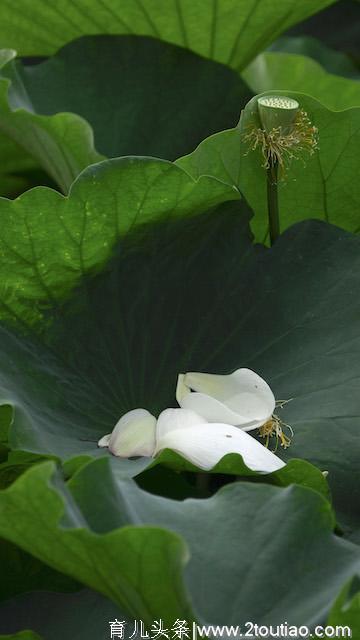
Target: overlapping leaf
(295, 472)
(293, 72)
(124, 564)
(63, 144)
(227, 30)
(323, 185)
(49, 242)
(128, 89)
(225, 583)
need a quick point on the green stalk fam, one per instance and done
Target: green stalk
(203, 484)
(272, 201)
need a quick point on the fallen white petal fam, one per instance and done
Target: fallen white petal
(134, 435)
(214, 410)
(174, 419)
(181, 389)
(242, 398)
(205, 444)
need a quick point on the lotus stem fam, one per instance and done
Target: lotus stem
(272, 201)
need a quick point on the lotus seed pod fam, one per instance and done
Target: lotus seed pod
(277, 111)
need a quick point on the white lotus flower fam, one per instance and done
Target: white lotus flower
(242, 399)
(184, 431)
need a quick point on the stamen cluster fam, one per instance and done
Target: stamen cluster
(279, 148)
(274, 428)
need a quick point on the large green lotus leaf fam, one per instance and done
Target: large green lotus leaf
(183, 294)
(49, 242)
(140, 96)
(346, 609)
(62, 144)
(84, 615)
(21, 572)
(323, 185)
(262, 526)
(229, 31)
(293, 72)
(123, 564)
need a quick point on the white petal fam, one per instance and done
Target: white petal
(181, 388)
(253, 398)
(205, 444)
(104, 441)
(242, 398)
(134, 435)
(217, 386)
(214, 411)
(174, 419)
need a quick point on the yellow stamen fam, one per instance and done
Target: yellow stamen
(274, 428)
(280, 148)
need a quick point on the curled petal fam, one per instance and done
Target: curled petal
(205, 444)
(182, 389)
(242, 398)
(134, 435)
(213, 410)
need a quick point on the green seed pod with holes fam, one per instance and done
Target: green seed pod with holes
(277, 112)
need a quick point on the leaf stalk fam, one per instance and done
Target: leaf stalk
(272, 201)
